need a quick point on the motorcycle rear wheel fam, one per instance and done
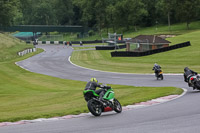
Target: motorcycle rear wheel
(94, 107)
(117, 106)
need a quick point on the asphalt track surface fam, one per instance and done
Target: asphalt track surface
(177, 116)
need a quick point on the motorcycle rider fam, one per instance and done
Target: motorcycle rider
(92, 85)
(187, 74)
(156, 68)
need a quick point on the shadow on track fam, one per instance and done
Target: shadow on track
(193, 91)
(105, 115)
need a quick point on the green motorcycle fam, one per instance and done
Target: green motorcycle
(97, 106)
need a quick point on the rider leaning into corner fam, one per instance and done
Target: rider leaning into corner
(92, 85)
(187, 74)
(156, 68)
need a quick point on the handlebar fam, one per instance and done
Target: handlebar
(105, 87)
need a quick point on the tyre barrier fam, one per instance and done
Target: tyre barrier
(50, 42)
(47, 42)
(22, 53)
(110, 47)
(145, 53)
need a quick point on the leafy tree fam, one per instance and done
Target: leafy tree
(109, 14)
(98, 14)
(187, 10)
(77, 15)
(43, 14)
(166, 8)
(137, 12)
(63, 11)
(93, 13)
(109, 17)
(26, 7)
(152, 15)
(38, 12)
(129, 13)
(8, 10)
(87, 12)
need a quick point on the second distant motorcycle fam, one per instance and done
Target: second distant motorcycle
(192, 78)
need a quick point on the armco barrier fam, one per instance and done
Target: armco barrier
(72, 42)
(136, 54)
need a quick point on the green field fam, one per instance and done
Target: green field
(27, 95)
(172, 61)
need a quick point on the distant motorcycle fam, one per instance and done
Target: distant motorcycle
(159, 74)
(97, 106)
(194, 81)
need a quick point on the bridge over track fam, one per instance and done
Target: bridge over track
(43, 28)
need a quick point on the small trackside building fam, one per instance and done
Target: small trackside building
(143, 43)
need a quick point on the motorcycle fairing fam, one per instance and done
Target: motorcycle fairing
(109, 95)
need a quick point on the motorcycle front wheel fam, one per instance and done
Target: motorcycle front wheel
(94, 107)
(161, 77)
(117, 106)
(197, 85)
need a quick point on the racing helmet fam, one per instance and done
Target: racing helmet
(186, 69)
(94, 80)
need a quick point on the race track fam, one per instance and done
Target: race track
(177, 116)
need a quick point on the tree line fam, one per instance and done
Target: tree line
(99, 14)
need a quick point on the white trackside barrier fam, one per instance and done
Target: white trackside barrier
(39, 42)
(48, 42)
(56, 42)
(34, 49)
(22, 53)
